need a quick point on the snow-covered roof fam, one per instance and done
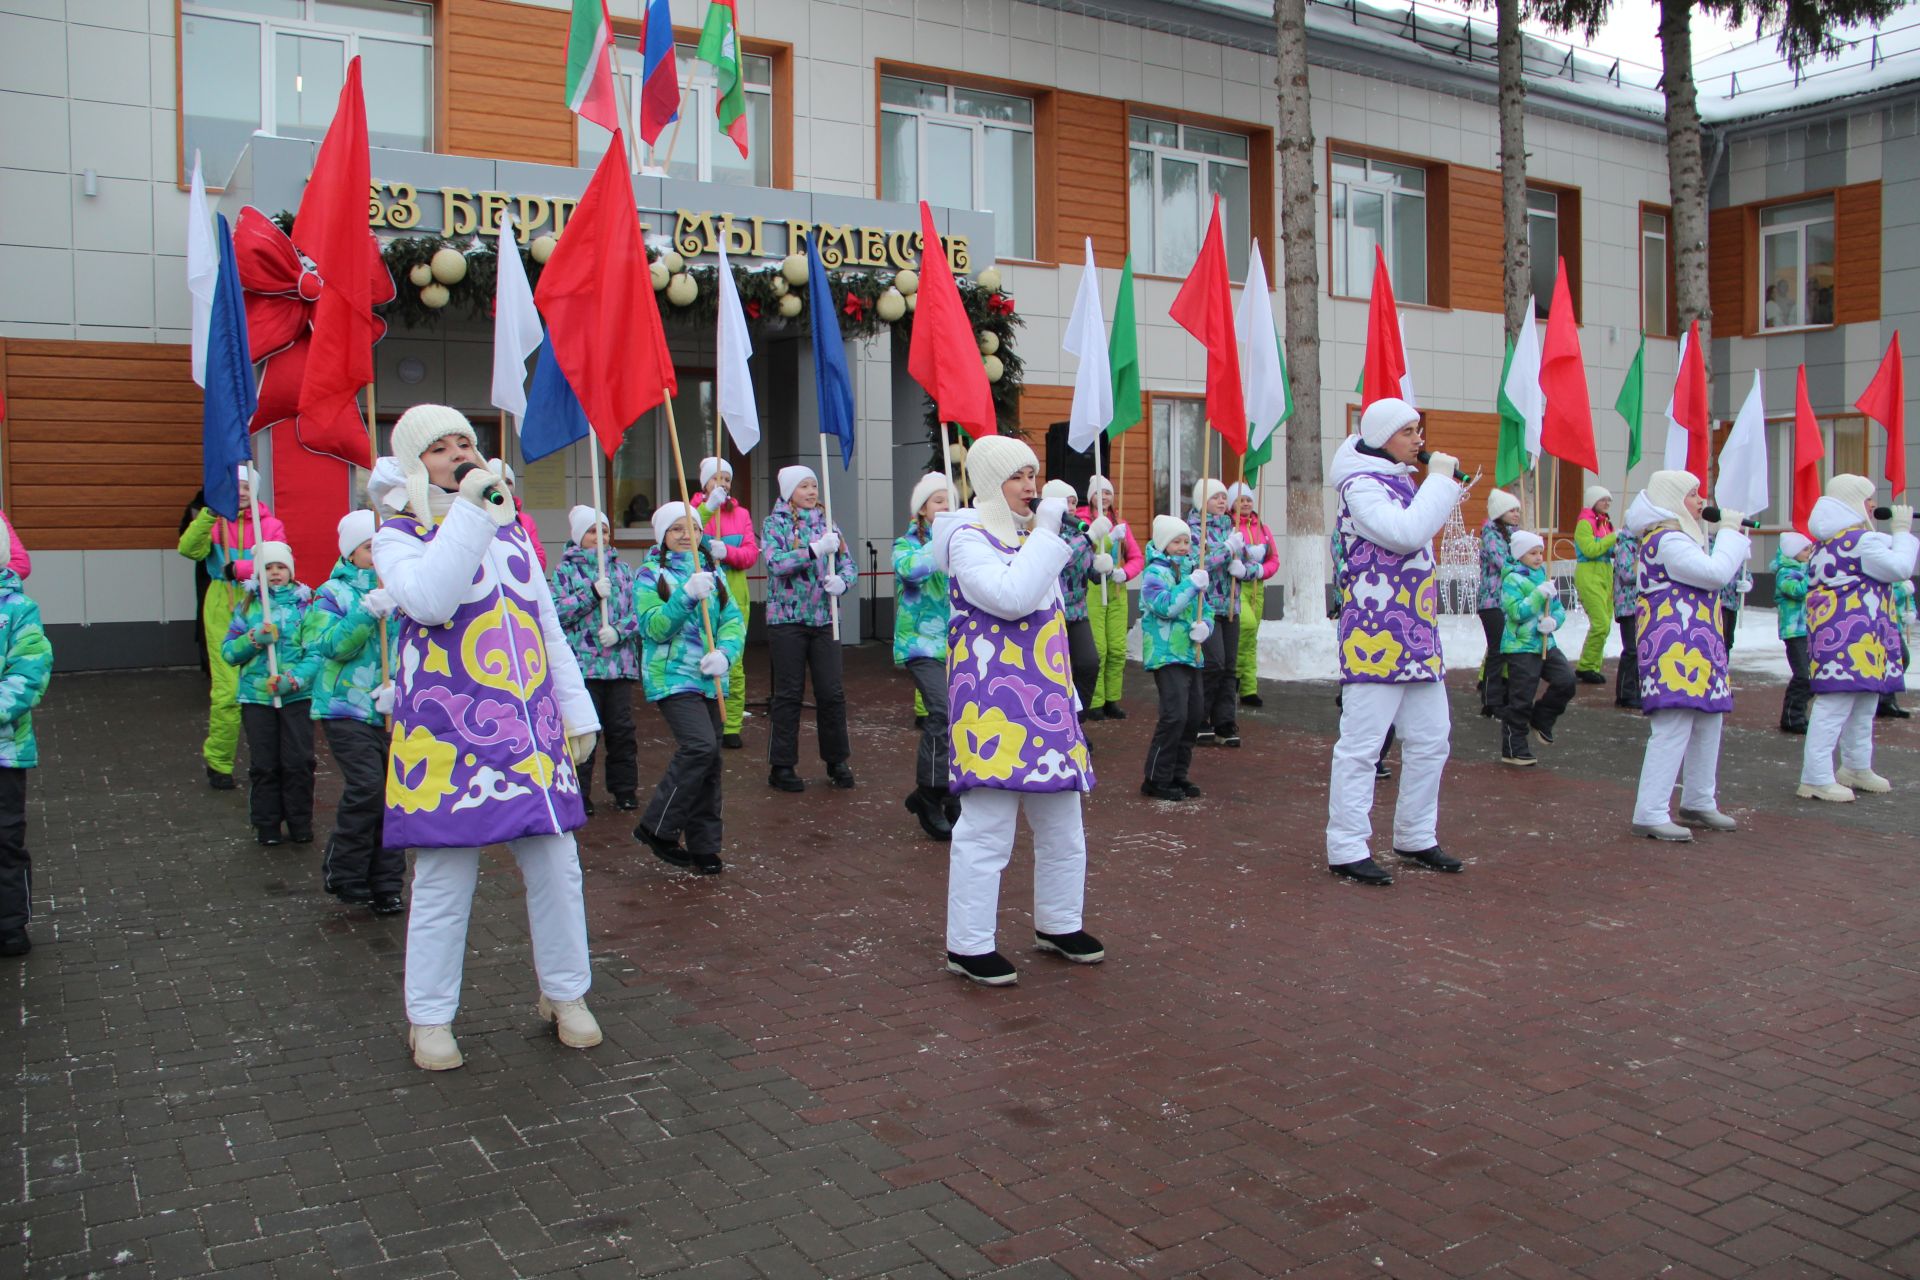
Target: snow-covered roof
(1753, 80)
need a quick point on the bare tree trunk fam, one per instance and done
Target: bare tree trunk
(1305, 570)
(1685, 172)
(1516, 256)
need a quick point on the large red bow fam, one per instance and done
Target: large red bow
(1001, 304)
(281, 289)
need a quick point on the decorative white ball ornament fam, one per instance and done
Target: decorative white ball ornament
(778, 286)
(675, 263)
(795, 269)
(989, 279)
(790, 305)
(913, 302)
(891, 306)
(420, 276)
(449, 265)
(989, 343)
(682, 290)
(435, 295)
(660, 275)
(907, 282)
(994, 368)
(542, 247)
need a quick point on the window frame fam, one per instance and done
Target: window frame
(977, 126)
(1797, 228)
(778, 52)
(350, 37)
(1779, 434)
(1369, 157)
(1182, 121)
(696, 81)
(1568, 243)
(1439, 194)
(698, 378)
(1672, 317)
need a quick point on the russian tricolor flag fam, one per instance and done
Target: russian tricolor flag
(659, 74)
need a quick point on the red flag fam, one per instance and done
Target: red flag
(943, 355)
(1204, 308)
(1809, 446)
(1885, 401)
(1566, 431)
(1385, 370)
(1690, 406)
(597, 296)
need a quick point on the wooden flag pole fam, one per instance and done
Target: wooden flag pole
(260, 578)
(826, 501)
(1093, 505)
(693, 535)
(946, 460)
(373, 456)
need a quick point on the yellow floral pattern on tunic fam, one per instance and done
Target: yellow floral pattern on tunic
(1372, 653)
(988, 744)
(418, 755)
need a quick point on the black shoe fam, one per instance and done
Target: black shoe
(841, 775)
(1204, 738)
(1798, 729)
(1892, 711)
(1519, 759)
(1079, 946)
(1543, 733)
(706, 864)
(1115, 711)
(991, 969)
(267, 835)
(586, 802)
(927, 804)
(1486, 712)
(1156, 791)
(731, 741)
(353, 897)
(919, 722)
(1434, 857)
(1365, 871)
(1252, 700)
(219, 781)
(1589, 677)
(299, 835)
(668, 851)
(626, 803)
(783, 778)
(16, 944)
(1187, 788)
(1381, 772)
(1229, 736)
(389, 904)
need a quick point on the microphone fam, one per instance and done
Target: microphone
(465, 469)
(1425, 456)
(1712, 516)
(1883, 513)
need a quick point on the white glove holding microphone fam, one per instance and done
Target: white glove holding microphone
(835, 584)
(1103, 564)
(826, 544)
(607, 636)
(1100, 528)
(1729, 519)
(1901, 521)
(698, 586)
(1047, 517)
(1200, 631)
(378, 602)
(1548, 626)
(714, 663)
(474, 489)
(1444, 465)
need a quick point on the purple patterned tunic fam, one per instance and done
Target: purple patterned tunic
(1010, 687)
(1388, 603)
(1853, 640)
(1683, 657)
(479, 753)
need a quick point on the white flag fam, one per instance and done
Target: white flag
(1742, 482)
(1266, 379)
(516, 326)
(733, 381)
(1086, 337)
(203, 269)
(1523, 380)
(1674, 456)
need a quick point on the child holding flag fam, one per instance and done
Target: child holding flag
(1118, 554)
(274, 695)
(1221, 550)
(1082, 653)
(807, 564)
(1626, 602)
(920, 611)
(1790, 603)
(1593, 541)
(1903, 613)
(730, 543)
(1503, 517)
(26, 668)
(1528, 651)
(607, 652)
(1172, 632)
(1263, 561)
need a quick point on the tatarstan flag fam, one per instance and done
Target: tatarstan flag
(590, 65)
(720, 49)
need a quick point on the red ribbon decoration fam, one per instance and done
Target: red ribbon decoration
(1001, 304)
(854, 307)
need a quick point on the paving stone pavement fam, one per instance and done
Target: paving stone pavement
(1588, 1055)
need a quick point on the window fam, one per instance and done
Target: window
(1656, 269)
(1189, 415)
(642, 475)
(693, 148)
(1849, 452)
(1543, 247)
(1796, 264)
(1384, 205)
(1175, 170)
(276, 66)
(963, 149)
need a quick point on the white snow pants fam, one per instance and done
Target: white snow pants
(1683, 745)
(443, 884)
(1838, 719)
(982, 844)
(1419, 712)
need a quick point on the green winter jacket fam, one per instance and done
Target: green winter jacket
(920, 604)
(1524, 600)
(345, 639)
(26, 667)
(672, 634)
(246, 647)
(1169, 605)
(1790, 595)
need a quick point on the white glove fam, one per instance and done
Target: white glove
(826, 544)
(1901, 521)
(383, 699)
(1548, 626)
(1047, 518)
(1120, 532)
(1100, 528)
(714, 663)
(1103, 564)
(378, 602)
(1200, 631)
(717, 550)
(1235, 543)
(835, 584)
(1120, 573)
(699, 586)
(1257, 553)
(1730, 519)
(1238, 568)
(1550, 589)
(607, 636)
(1199, 578)
(1443, 465)
(580, 745)
(717, 498)
(474, 490)
(602, 587)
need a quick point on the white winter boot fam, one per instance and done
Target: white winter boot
(1862, 780)
(1832, 791)
(434, 1048)
(570, 1018)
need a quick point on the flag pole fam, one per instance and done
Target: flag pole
(600, 551)
(1093, 505)
(373, 456)
(693, 533)
(826, 500)
(626, 117)
(260, 578)
(946, 460)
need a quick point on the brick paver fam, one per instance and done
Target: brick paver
(1586, 1056)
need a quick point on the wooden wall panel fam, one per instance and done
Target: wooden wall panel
(1856, 251)
(1474, 276)
(1091, 178)
(101, 442)
(1731, 271)
(1474, 438)
(1040, 408)
(505, 82)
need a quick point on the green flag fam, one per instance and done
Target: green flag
(1633, 395)
(1123, 357)
(1262, 454)
(1512, 461)
(720, 48)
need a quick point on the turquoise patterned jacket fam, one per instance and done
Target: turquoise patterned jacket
(1169, 604)
(1493, 563)
(345, 638)
(1789, 595)
(246, 649)
(1626, 576)
(795, 593)
(921, 605)
(26, 668)
(1219, 581)
(1073, 578)
(672, 634)
(1522, 600)
(578, 609)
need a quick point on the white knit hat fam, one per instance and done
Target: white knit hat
(356, 527)
(1203, 491)
(666, 516)
(416, 431)
(930, 484)
(273, 553)
(1595, 493)
(1792, 544)
(249, 476)
(580, 522)
(991, 462)
(1167, 528)
(1098, 484)
(1383, 418)
(1525, 540)
(1061, 490)
(1855, 491)
(1499, 502)
(1237, 490)
(501, 469)
(790, 478)
(1668, 491)
(710, 467)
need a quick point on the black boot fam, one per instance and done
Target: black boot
(219, 781)
(841, 775)
(783, 778)
(928, 804)
(1514, 749)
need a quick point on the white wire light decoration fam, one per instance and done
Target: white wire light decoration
(1458, 577)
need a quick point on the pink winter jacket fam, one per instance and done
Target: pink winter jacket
(733, 524)
(17, 558)
(1131, 561)
(1256, 534)
(533, 534)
